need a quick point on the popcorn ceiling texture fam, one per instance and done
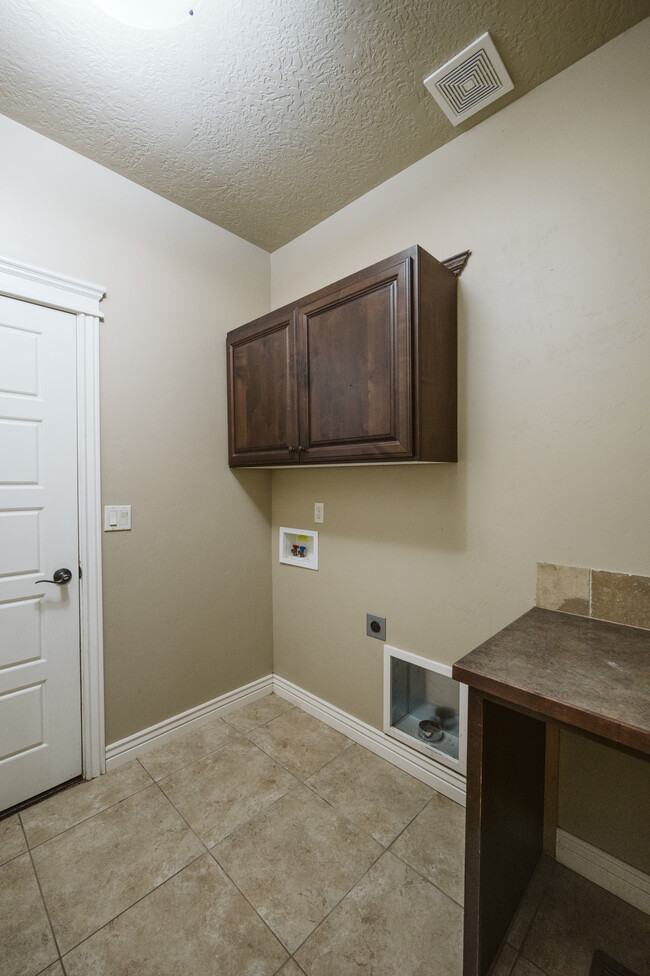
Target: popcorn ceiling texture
(266, 116)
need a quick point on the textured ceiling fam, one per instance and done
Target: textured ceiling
(266, 116)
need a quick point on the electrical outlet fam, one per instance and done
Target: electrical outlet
(319, 512)
(376, 626)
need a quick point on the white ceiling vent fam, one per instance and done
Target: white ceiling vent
(470, 81)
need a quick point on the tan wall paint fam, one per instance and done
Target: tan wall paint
(187, 593)
(603, 799)
(549, 195)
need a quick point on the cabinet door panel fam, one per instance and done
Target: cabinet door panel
(262, 393)
(354, 351)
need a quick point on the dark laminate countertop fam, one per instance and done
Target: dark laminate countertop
(585, 673)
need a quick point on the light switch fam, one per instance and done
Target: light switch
(117, 518)
(319, 512)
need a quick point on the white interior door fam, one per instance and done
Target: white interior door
(40, 703)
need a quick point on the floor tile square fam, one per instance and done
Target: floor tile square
(372, 792)
(434, 844)
(56, 969)
(187, 748)
(226, 789)
(574, 918)
(63, 810)
(300, 742)
(295, 862)
(98, 868)
(27, 945)
(195, 924)
(392, 922)
(12, 838)
(257, 713)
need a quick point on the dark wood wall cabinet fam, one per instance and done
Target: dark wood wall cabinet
(361, 371)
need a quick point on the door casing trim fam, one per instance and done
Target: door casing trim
(32, 284)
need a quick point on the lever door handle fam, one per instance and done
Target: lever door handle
(59, 576)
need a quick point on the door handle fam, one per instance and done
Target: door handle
(59, 576)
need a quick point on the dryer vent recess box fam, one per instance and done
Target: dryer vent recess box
(361, 372)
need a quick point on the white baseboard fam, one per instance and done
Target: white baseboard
(123, 751)
(441, 778)
(604, 870)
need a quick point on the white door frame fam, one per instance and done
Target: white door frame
(25, 282)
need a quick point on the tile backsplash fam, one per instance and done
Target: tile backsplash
(616, 597)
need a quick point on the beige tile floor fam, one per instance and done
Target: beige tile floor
(562, 919)
(263, 843)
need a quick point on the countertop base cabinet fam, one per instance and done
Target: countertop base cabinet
(361, 371)
(584, 675)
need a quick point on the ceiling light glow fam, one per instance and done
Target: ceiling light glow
(148, 14)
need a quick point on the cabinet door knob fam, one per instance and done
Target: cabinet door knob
(303, 449)
(291, 450)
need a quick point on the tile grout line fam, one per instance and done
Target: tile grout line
(206, 849)
(522, 955)
(129, 907)
(424, 878)
(142, 897)
(414, 817)
(349, 819)
(264, 812)
(196, 759)
(342, 813)
(528, 929)
(380, 854)
(250, 904)
(45, 905)
(334, 907)
(83, 820)
(260, 725)
(344, 895)
(286, 768)
(385, 850)
(239, 735)
(210, 852)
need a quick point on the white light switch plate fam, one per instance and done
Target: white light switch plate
(117, 518)
(319, 512)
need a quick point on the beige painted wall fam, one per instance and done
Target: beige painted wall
(549, 195)
(589, 772)
(188, 591)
